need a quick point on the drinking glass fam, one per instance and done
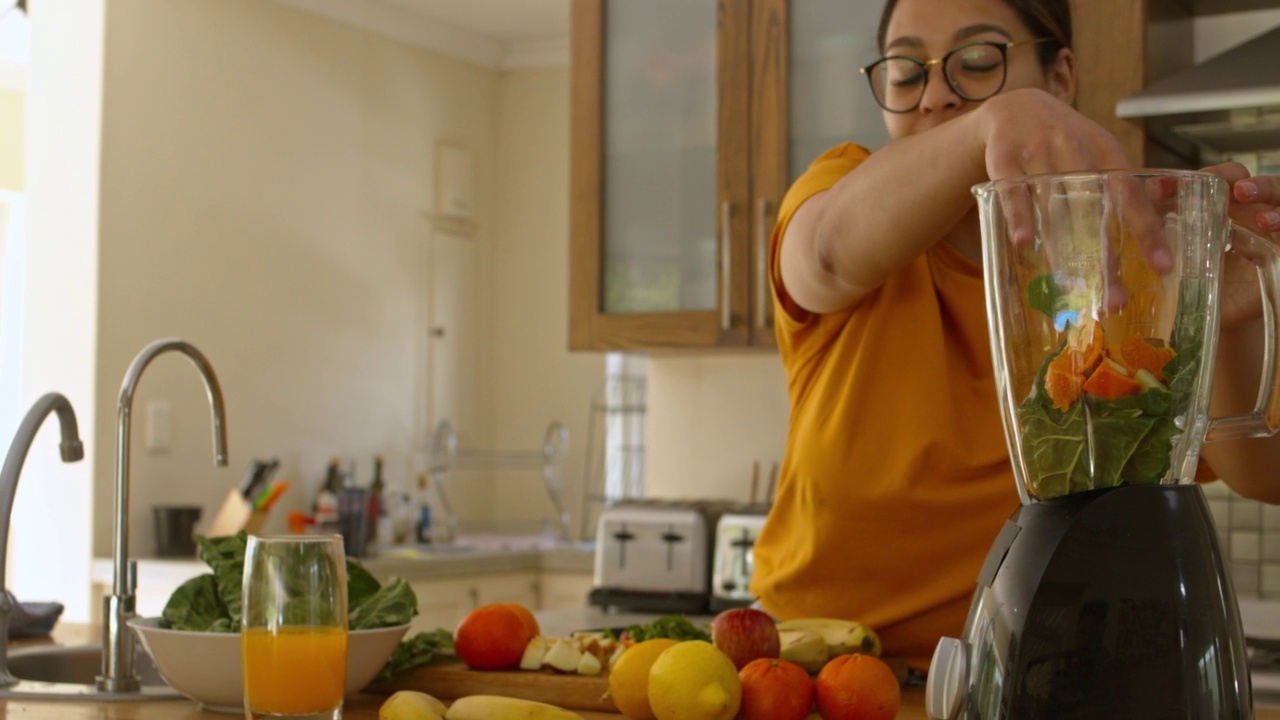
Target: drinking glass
(293, 634)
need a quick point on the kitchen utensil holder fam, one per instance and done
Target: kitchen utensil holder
(555, 445)
(237, 514)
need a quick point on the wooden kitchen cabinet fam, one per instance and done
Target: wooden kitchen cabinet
(690, 119)
(443, 603)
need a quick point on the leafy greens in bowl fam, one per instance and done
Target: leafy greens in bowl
(211, 603)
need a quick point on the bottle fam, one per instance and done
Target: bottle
(404, 519)
(424, 510)
(376, 506)
(325, 509)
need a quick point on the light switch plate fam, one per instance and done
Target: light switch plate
(159, 434)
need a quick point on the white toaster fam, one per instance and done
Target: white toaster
(734, 559)
(655, 556)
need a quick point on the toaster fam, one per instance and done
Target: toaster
(734, 558)
(655, 556)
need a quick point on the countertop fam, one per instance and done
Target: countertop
(359, 707)
(472, 555)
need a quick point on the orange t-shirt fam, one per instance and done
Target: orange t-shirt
(896, 476)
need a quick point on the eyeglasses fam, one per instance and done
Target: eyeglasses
(975, 71)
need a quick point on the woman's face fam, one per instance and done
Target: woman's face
(928, 29)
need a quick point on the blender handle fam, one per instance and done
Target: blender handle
(1265, 418)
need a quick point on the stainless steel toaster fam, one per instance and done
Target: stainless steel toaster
(655, 556)
(734, 558)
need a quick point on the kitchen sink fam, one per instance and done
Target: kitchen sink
(69, 673)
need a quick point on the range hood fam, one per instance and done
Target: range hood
(1246, 76)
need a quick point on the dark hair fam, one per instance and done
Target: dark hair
(1044, 18)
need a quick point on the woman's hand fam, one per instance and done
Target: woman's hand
(1255, 204)
(1029, 132)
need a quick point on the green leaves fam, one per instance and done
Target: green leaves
(421, 649)
(674, 626)
(211, 603)
(393, 604)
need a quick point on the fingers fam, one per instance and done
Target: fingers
(1269, 221)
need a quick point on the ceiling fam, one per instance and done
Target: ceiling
(505, 20)
(502, 34)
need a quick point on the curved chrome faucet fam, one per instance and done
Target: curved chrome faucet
(72, 451)
(117, 639)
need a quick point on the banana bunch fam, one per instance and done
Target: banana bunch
(494, 707)
(413, 705)
(811, 642)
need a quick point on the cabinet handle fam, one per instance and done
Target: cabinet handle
(726, 265)
(764, 318)
(475, 597)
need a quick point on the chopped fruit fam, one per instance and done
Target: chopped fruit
(1062, 385)
(533, 652)
(1111, 381)
(1065, 377)
(562, 655)
(1140, 354)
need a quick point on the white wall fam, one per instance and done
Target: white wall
(52, 517)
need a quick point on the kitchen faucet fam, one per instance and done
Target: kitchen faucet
(72, 450)
(118, 674)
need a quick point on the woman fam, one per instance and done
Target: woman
(896, 477)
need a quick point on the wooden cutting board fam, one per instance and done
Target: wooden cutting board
(455, 680)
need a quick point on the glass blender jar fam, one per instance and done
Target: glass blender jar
(1105, 595)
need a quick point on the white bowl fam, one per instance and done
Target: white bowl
(206, 666)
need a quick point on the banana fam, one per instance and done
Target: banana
(804, 648)
(842, 636)
(494, 707)
(411, 705)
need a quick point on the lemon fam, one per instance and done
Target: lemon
(693, 680)
(629, 678)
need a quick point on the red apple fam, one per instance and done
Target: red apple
(745, 634)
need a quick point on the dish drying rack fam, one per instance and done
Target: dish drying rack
(555, 446)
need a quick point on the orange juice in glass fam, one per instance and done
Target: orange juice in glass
(294, 627)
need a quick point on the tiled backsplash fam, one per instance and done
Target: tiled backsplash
(1249, 532)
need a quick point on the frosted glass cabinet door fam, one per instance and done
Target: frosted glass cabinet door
(830, 102)
(659, 120)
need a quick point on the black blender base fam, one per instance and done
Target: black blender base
(1107, 604)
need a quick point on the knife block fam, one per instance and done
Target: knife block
(237, 514)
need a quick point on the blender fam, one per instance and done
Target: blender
(1105, 595)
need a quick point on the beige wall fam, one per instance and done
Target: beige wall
(267, 180)
(11, 134)
(536, 379)
(710, 417)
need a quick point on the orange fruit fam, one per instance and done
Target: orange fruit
(774, 689)
(530, 622)
(629, 678)
(857, 687)
(492, 637)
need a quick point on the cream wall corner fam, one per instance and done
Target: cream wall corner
(536, 378)
(12, 122)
